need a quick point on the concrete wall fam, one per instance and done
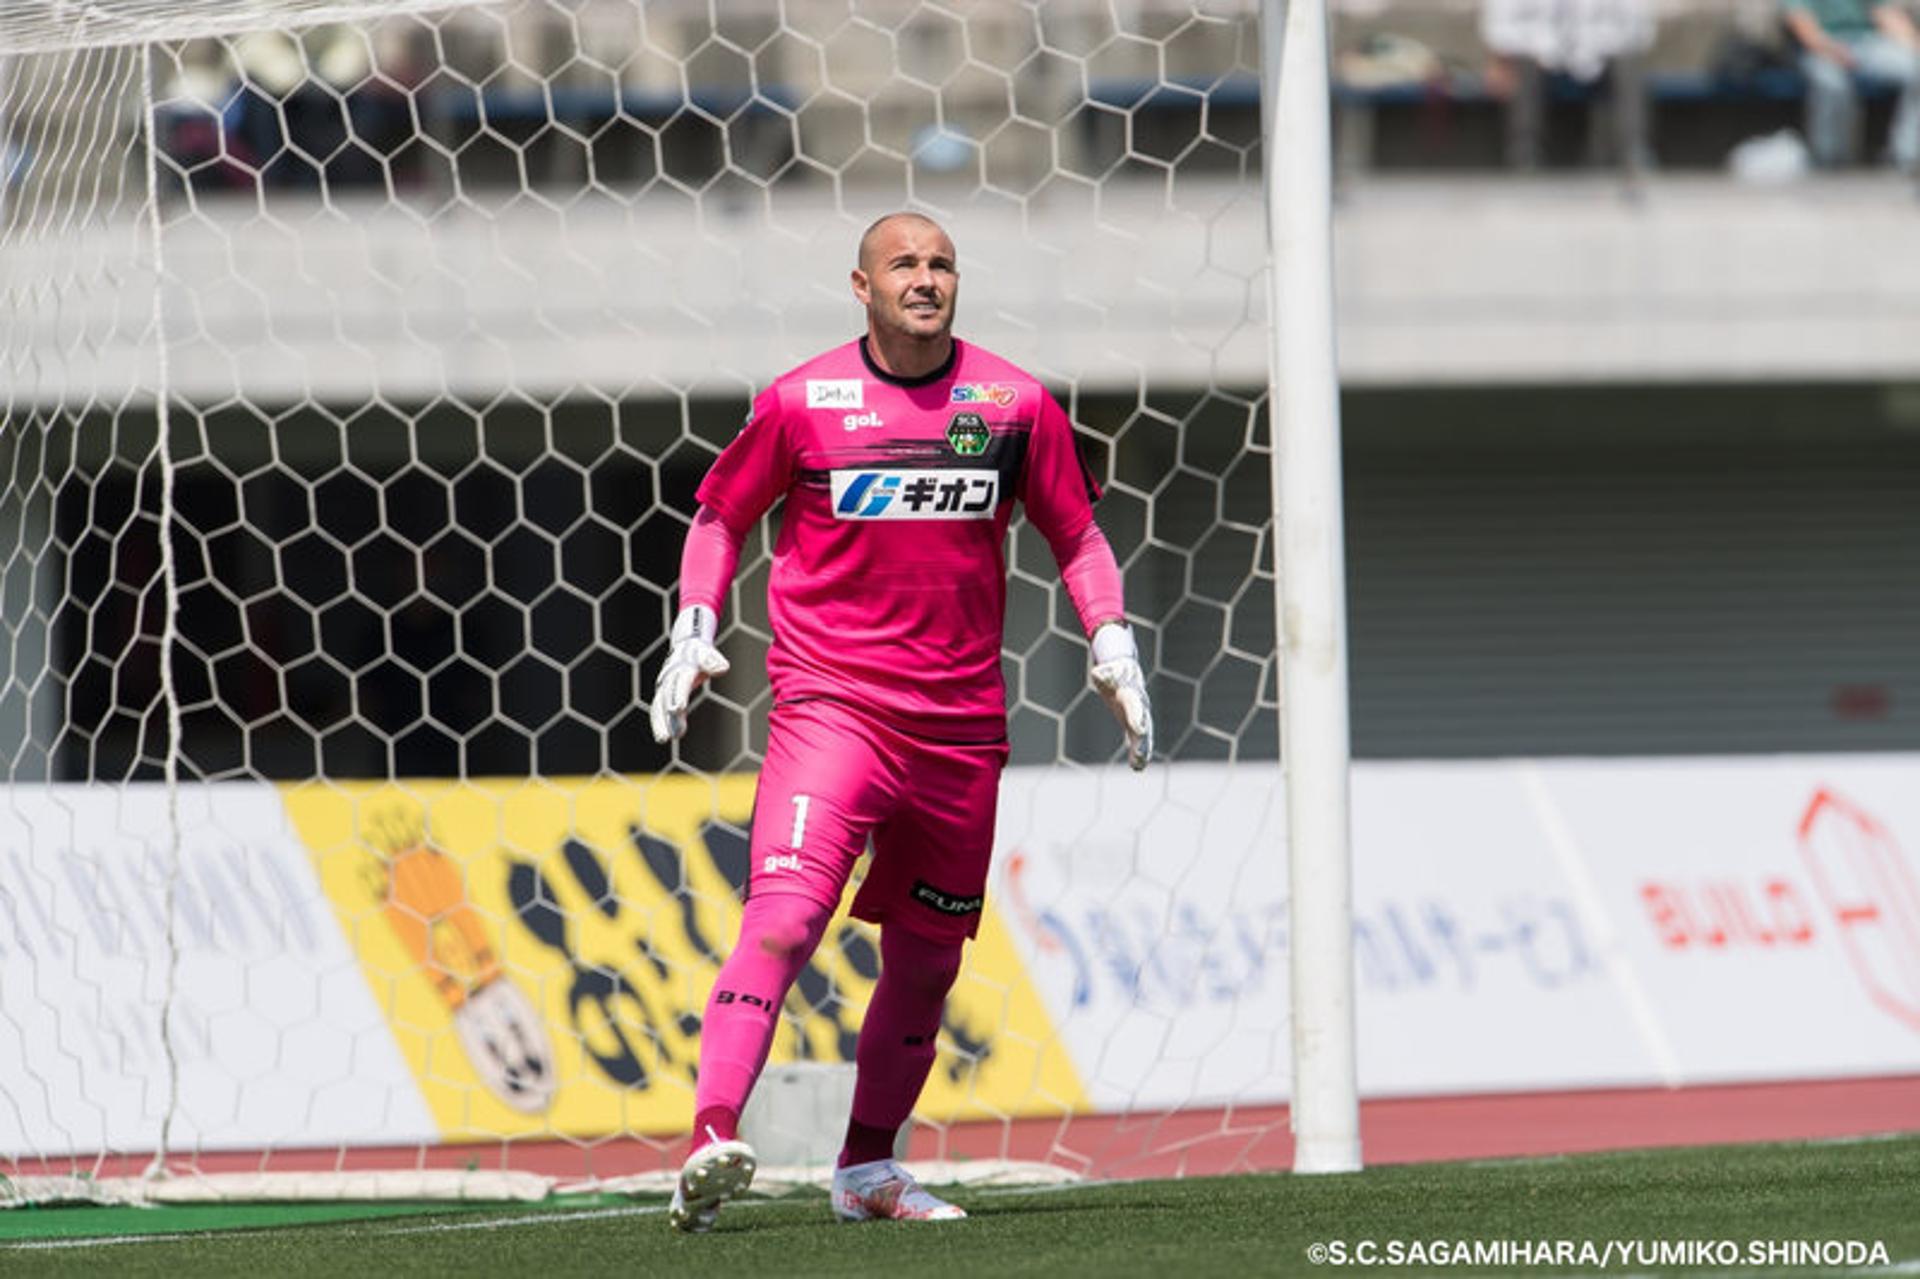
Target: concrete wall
(1483, 281)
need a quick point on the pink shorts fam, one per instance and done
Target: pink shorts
(833, 777)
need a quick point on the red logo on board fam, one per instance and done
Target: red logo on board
(1868, 886)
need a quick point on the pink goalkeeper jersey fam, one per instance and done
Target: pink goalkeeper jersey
(889, 582)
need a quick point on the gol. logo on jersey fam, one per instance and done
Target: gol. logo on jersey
(967, 433)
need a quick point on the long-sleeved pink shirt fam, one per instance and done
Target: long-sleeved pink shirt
(889, 580)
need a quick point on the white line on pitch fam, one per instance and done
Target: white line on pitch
(362, 1227)
(524, 1219)
(92, 1241)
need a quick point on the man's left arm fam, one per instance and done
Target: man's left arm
(1059, 495)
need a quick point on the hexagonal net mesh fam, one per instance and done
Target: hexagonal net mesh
(356, 381)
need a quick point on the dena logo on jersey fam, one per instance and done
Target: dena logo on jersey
(835, 393)
(915, 495)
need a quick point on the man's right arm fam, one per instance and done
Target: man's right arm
(707, 563)
(745, 480)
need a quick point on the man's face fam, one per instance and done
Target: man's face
(907, 279)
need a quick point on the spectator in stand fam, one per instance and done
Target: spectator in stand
(1583, 40)
(1841, 42)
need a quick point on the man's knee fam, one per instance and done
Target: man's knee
(785, 926)
(1889, 63)
(926, 966)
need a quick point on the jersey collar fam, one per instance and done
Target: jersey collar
(934, 375)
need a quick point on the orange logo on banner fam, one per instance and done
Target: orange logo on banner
(424, 898)
(425, 901)
(1868, 885)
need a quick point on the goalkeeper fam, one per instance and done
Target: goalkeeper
(899, 456)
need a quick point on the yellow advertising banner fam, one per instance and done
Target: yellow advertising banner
(543, 949)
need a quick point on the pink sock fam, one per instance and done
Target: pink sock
(897, 1039)
(777, 936)
(715, 1123)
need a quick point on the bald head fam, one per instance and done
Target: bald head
(878, 233)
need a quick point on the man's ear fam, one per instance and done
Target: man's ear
(862, 287)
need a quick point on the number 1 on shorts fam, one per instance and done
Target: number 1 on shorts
(800, 803)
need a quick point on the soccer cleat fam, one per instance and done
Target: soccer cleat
(884, 1191)
(713, 1174)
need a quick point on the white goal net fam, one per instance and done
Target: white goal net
(357, 366)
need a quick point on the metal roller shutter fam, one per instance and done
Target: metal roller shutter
(1528, 581)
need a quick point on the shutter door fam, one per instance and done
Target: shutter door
(1569, 589)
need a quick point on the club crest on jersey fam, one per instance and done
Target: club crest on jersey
(915, 495)
(835, 393)
(967, 433)
(996, 393)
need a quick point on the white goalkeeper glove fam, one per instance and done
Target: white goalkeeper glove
(691, 662)
(1118, 679)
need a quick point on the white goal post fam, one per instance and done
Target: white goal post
(357, 362)
(1312, 600)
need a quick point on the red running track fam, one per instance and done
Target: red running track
(1200, 1142)
(1419, 1129)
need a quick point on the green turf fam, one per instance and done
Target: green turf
(1237, 1226)
(87, 1221)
